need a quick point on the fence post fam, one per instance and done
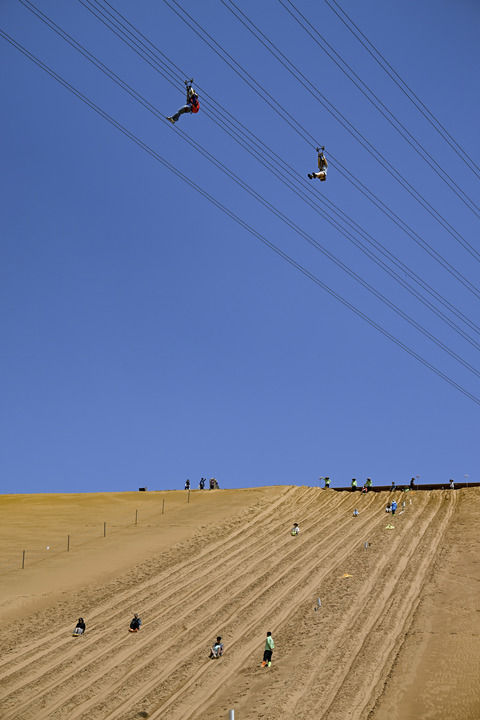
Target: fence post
(163, 506)
(136, 517)
(68, 543)
(23, 559)
(104, 529)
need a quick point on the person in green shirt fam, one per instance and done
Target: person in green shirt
(354, 484)
(267, 653)
(327, 482)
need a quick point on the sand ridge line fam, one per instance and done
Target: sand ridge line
(305, 678)
(248, 627)
(413, 598)
(151, 639)
(145, 607)
(362, 629)
(263, 512)
(161, 632)
(66, 641)
(285, 707)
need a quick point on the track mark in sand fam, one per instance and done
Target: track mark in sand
(282, 603)
(265, 508)
(76, 669)
(20, 662)
(200, 647)
(290, 689)
(369, 645)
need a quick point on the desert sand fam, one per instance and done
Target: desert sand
(396, 635)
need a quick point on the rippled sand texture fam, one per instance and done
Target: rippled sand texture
(398, 638)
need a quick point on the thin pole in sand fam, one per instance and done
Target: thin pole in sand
(68, 543)
(23, 560)
(104, 529)
(163, 506)
(231, 715)
(136, 517)
(188, 496)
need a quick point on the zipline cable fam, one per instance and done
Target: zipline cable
(246, 141)
(302, 132)
(407, 91)
(299, 192)
(377, 103)
(271, 208)
(350, 128)
(232, 215)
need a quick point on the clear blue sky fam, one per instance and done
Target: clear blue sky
(147, 338)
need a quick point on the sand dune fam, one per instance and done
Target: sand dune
(398, 638)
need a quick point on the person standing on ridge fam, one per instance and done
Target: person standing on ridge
(267, 653)
(354, 484)
(327, 483)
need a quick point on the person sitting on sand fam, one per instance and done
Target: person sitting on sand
(217, 648)
(80, 627)
(295, 529)
(388, 508)
(135, 624)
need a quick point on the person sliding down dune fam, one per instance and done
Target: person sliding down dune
(80, 627)
(135, 624)
(217, 649)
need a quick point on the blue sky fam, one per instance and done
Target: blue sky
(147, 338)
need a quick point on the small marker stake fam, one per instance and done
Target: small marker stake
(23, 560)
(365, 545)
(163, 507)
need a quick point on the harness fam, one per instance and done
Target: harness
(194, 103)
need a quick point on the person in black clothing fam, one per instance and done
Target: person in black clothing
(80, 627)
(135, 624)
(412, 484)
(187, 485)
(201, 484)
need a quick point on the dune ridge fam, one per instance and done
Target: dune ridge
(225, 563)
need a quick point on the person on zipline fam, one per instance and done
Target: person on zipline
(322, 166)
(192, 105)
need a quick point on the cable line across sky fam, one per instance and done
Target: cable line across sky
(233, 216)
(310, 86)
(404, 87)
(266, 97)
(298, 189)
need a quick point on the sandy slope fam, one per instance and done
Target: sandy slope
(397, 639)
